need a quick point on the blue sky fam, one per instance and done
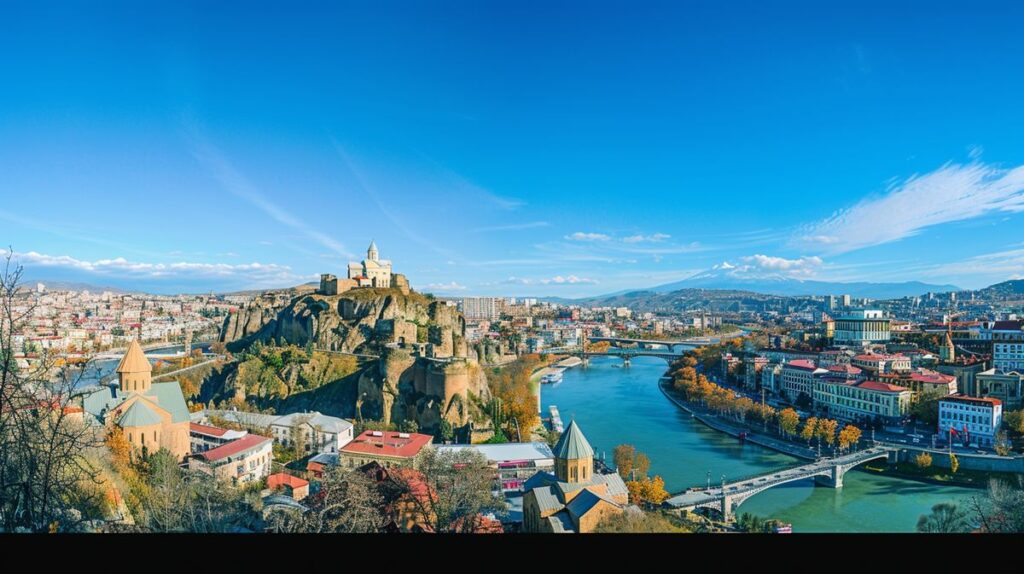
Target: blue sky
(520, 148)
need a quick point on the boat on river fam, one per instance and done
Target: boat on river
(550, 378)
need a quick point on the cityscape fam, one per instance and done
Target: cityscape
(494, 285)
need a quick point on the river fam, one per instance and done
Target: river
(615, 405)
(97, 371)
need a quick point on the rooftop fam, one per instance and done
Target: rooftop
(389, 443)
(513, 451)
(987, 401)
(248, 442)
(284, 479)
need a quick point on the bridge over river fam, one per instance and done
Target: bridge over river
(726, 498)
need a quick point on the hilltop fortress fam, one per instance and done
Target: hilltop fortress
(417, 364)
(370, 272)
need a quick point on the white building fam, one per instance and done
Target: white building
(798, 377)
(975, 420)
(1007, 346)
(320, 433)
(480, 308)
(861, 327)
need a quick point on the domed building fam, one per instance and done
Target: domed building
(152, 415)
(574, 498)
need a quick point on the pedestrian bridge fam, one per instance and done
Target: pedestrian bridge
(728, 497)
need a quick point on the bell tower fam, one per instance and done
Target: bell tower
(134, 371)
(371, 253)
(574, 458)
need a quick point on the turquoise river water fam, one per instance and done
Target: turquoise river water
(615, 405)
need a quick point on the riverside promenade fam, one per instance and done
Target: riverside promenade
(715, 422)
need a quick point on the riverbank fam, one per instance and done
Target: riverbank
(716, 423)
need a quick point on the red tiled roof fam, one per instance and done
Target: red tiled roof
(284, 479)
(802, 364)
(234, 447)
(390, 444)
(928, 376)
(850, 369)
(879, 386)
(206, 429)
(966, 399)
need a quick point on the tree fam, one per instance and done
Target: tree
(849, 436)
(788, 421)
(810, 429)
(641, 464)
(1001, 509)
(923, 460)
(653, 490)
(954, 463)
(1014, 420)
(47, 477)
(636, 521)
(446, 431)
(803, 400)
(826, 430)
(348, 501)
(623, 456)
(944, 518)
(459, 488)
(1002, 444)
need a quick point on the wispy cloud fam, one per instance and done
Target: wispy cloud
(765, 266)
(370, 191)
(950, 193)
(235, 183)
(444, 287)
(982, 269)
(587, 236)
(640, 238)
(513, 226)
(556, 280)
(259, 274)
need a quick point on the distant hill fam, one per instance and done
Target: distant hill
(724, 277)
(1012, 288)
(30, 284)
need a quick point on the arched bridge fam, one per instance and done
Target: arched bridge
(672, 346)
(625, 354)
(727, 498)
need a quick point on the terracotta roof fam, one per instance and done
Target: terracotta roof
(850, 369)
(391, 443)
(232, 448)
(928, 376)
(284, 479)
(966, 399)
(134, 360)
(802, 364)
(879, 386)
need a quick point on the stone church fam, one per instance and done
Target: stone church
(574, 499)
(152, 415)
(372, 271)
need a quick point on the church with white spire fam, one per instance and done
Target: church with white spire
(372, 271)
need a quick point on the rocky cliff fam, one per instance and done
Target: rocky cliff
(417, 365)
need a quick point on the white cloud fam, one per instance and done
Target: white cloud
(761, 266)
(586, 236)
(950, 193)
(653, 238)
(444, 287)
(990, 267)
(257, 273)
(556, 280)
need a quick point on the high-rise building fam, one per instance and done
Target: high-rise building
(480, 308)
(846, 300)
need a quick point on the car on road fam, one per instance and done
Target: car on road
(916, 440)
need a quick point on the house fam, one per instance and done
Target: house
(574, 498)
(315, 432)
(205, 437)
(295, 487)
(242, 461)
(385, 447)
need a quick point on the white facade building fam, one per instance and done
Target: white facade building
(980, 417)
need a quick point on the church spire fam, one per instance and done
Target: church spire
(134, 371)
(371, 253)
